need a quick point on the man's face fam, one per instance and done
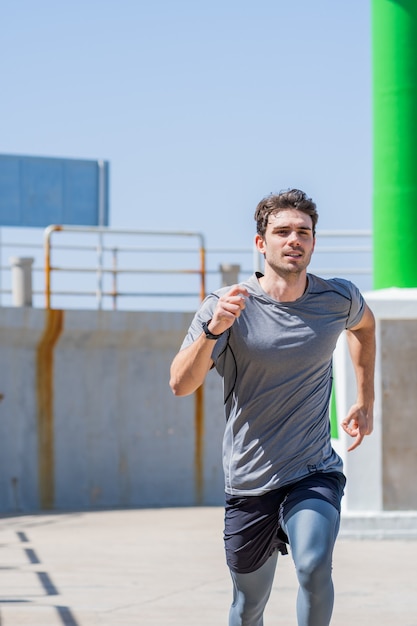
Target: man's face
(288, 242)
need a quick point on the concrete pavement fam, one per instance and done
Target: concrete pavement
(165, 567)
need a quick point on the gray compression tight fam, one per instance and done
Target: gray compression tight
(312, 528)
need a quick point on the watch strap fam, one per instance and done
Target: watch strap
(209, 334)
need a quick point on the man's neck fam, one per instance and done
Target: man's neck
(284, 289)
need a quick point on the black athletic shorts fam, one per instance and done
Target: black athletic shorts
(253, 524)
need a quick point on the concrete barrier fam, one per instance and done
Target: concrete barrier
(87, 418)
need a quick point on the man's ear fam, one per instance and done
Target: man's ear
(260, 243)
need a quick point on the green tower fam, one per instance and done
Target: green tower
(394, 43)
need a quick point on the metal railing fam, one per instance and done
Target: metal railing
(101, 269)
(104, 264)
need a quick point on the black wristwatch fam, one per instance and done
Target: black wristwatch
(208, 334)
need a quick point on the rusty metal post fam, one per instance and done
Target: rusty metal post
(199, 401)
(114, 277)
(202, 272)
(47, 269)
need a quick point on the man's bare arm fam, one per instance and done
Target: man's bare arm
(190, 366)
(361, 343)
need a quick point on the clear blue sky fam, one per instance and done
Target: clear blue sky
(201, 108)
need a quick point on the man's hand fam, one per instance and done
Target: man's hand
(228, 309)
(358, 423)
(190, 366)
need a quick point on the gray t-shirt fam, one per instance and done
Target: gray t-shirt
(276, 364)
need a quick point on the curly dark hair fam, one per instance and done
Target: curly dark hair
(289, 199)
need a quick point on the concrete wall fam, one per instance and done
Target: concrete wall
(87, 418)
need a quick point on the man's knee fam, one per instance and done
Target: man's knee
(250, 595)
(314, 570)
(246, 613)
(249, 598)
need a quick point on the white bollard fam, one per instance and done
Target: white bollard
(230, 274)
(21, 280)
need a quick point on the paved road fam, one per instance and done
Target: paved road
(165, 567)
